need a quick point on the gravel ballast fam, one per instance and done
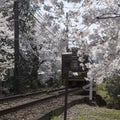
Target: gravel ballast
(86, 112)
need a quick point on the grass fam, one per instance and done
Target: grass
(86, 112)
(81, 118)
(108, 115)
(101, 90)
(97, 113)
(103, 93)
(56, 118)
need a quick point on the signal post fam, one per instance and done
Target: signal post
(16, 48)
(66, 63)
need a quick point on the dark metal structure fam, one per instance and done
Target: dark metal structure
(66, 63)
(72, 73)
(16, 47)
(66, 58)
(71, 69)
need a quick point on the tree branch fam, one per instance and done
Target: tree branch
(108, 17)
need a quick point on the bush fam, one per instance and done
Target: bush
(112, 87)
(55, 118)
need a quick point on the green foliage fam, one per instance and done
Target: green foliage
(81, 118)
(113, 89)
(101, 90)
(87, 112)
(60, 83)
(110, 89)
(55, 118)
(97, 113)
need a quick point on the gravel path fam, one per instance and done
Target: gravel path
(86, 112)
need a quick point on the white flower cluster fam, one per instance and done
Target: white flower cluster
(100, 38)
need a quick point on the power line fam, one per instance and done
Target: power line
(46, 28)
(40, 16)
(42, 33)
(43, 18)
(45, 22)
(47, 33)
(108, 17)
(39, 22)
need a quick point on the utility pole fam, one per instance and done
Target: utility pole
(66, 80)
(0, 88)
(16, 48)
(67, 49)
(66, 98)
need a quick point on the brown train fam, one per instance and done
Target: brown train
(71, 69)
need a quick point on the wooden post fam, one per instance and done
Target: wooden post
(16, 47)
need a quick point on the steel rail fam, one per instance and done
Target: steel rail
(27, 94)
(49, 96)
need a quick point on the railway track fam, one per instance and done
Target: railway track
(13, 101)
(13, 104)
(2, 100)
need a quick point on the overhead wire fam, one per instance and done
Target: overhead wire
(107, 17)
(53, 29)
(47, 28)
(40, 22)
(46, 33)
(44, 36)
(45, 20)
(42, 17)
